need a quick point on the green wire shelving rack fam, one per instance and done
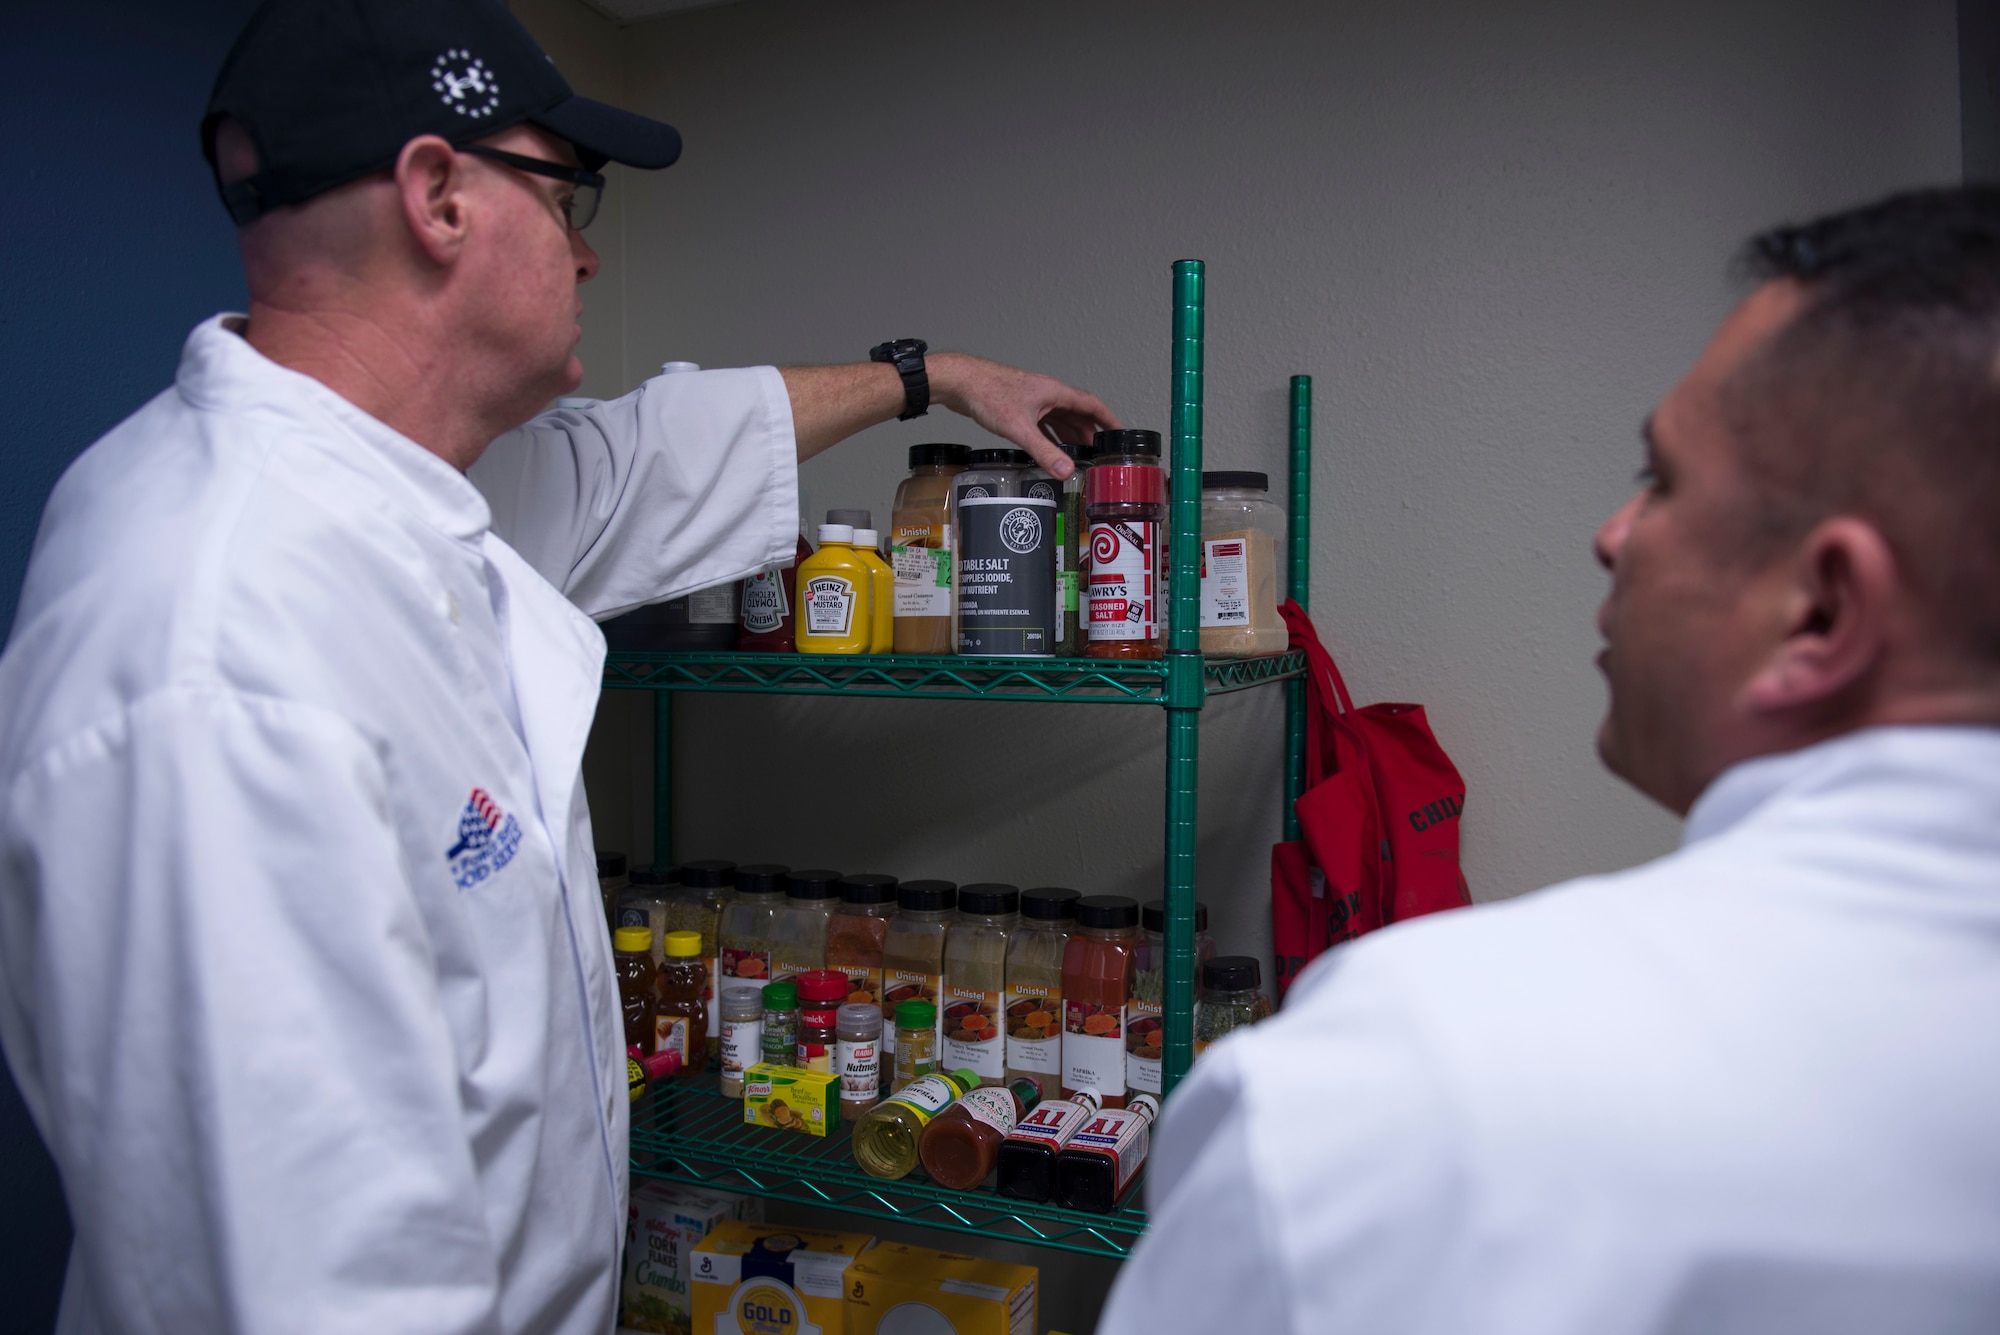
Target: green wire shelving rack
(688, 1133)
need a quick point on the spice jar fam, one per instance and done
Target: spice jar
(644, 904)
(1097, 986)
(1145, 1030)
(857, 1057)
(1242, 532)
(975, 980)
(779, 1043)
(920, 549)
(742, 1035)
(1232, 998)
(749, 919)
(855, 932)
(913, 950)
(1125, 500)
(821, 992)
(1032, 1007)
(991, 472)
(798, 941)
(681, 1023)
(916, 1043)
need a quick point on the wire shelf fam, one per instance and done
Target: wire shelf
(685, 1131)
(933, 677)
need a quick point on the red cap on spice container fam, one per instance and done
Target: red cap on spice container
(821, 990)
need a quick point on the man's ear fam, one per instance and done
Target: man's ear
(431, 182)
(1834, 612)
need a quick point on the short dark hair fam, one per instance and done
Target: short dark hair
(1882, 396)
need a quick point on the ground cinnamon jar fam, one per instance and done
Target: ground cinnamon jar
(1125, 500)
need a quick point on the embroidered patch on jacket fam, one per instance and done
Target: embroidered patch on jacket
(488, 838)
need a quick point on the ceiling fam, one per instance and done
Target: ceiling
(633, 11)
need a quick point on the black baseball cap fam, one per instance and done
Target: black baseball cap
(330, 91)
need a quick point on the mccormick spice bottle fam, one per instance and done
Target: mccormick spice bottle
(821, 992)
(1097, 988)
(1125, 499)
(920, 549)
(1104, 1155)
(1027, 1158)
(962, 1144)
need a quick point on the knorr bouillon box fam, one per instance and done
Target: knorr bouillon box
(759, 1279)
(894, 1289)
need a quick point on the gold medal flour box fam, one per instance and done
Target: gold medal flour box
(758, 1279)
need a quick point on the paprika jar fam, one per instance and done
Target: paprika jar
(1125, 500)
(1098, 965)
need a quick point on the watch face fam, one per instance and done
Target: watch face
(897, 350)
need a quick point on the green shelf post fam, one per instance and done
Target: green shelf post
(663, 779)
(1184, 674)
(1298, 570)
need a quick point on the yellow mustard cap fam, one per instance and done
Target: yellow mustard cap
(632, 940)
(684, 943)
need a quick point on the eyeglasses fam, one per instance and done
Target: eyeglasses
(580, 207)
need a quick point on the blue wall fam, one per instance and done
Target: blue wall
(112, 246)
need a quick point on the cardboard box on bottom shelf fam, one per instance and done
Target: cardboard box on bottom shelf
(896, 1289)
(760, 1279)
(666, 1223)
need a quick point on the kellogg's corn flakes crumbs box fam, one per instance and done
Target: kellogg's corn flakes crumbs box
(895, 1289)
(665, 1223)
(757, 1279)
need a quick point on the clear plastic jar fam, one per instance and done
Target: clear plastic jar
(798, 941)
(749, 920)
(913, 952)
(1146, 1032)
(975, 980)
(920, 546)
(644, 904)
(1232, 998)
(855, 932)
(1242, 566)
(1033, 1007)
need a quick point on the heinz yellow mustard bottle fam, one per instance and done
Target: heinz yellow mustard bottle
(836, 596)
(882, 588)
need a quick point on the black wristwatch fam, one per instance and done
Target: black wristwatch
(907, 355)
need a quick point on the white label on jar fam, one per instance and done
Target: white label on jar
(1225, 583)
(995, 1107)
(829, 604)
(860, 1065)
(1034, 1029)
(1093, 1054)
(1122, 595)
(670, 1034)
(764, 605)
(713, 607)
(923, 581)
(1053, 1123)
(1124, 1134)
(972, 1032)
(928, 1096)
(1143, 1037)
(742, 1045)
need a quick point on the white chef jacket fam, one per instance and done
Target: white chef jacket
(303, 970)
(1753, 1086)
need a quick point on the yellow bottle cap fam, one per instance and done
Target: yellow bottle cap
(632, 940)
(684, 943)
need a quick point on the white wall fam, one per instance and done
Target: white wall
(1494, 234)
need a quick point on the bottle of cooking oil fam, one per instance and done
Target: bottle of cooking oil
(885, 1139)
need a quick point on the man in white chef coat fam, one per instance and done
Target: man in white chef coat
(1753, 1086)
(303, 973)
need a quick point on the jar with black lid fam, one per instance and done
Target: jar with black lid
(913, 950)
(798, 943)
(1032, 1009)
(749, 919)
(1232, 998)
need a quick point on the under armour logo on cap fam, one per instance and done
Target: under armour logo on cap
(464, 83)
